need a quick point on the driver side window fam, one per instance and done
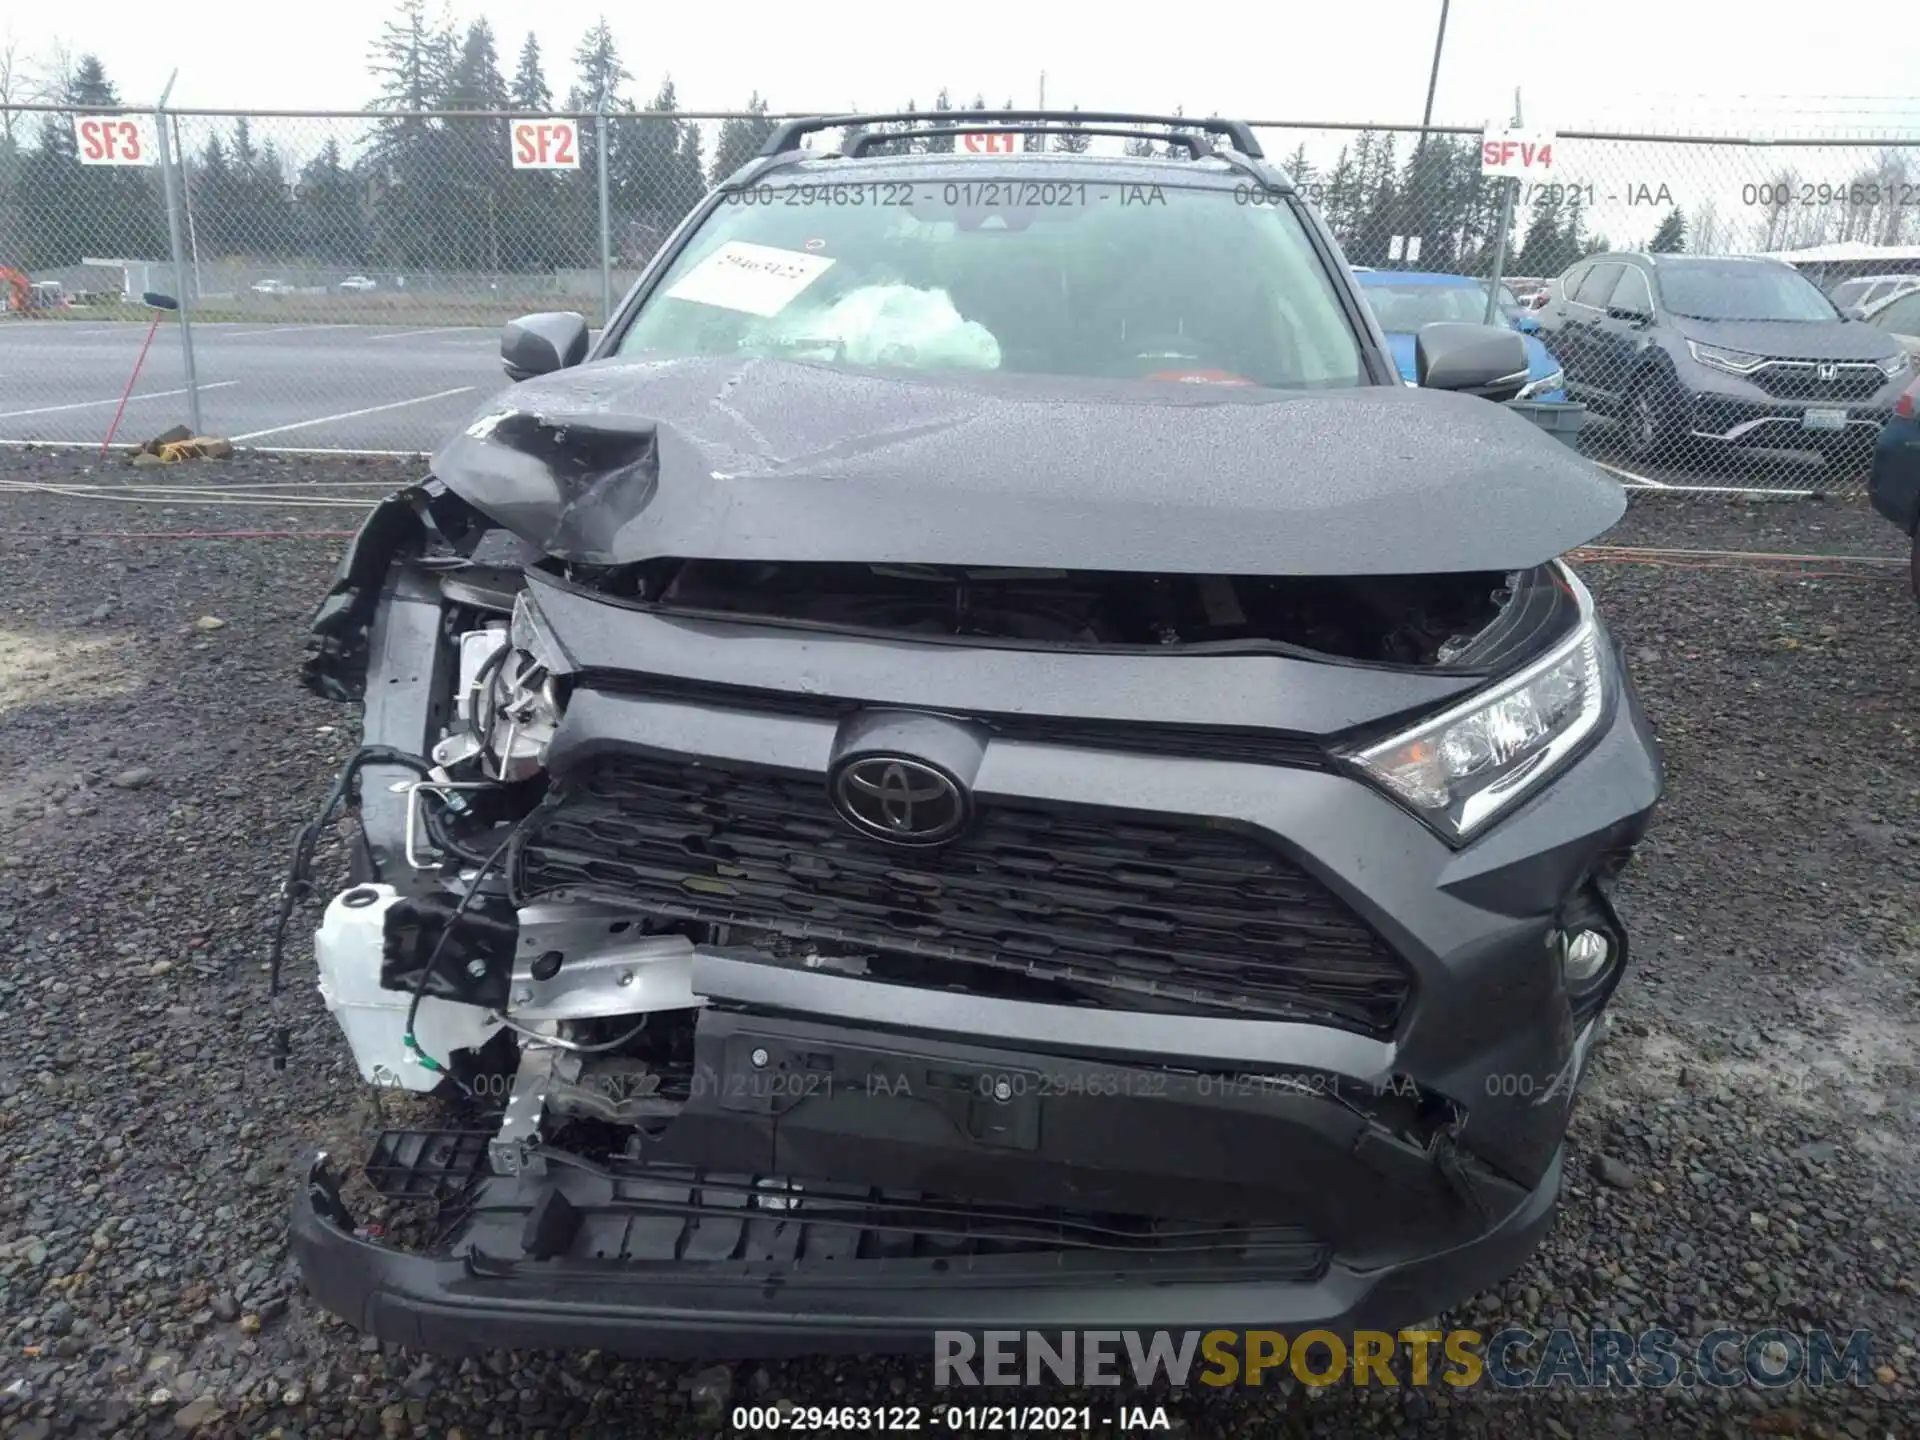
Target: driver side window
(1631, 293)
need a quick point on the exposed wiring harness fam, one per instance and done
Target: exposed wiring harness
(408, 1040)
(299, 883)
(554, 1042)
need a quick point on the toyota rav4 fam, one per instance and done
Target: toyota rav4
(977, 759)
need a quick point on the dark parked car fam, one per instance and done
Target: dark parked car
(979, 759)
(1895, 485)
(1699, 351)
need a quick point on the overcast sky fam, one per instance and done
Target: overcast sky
(1663, 64)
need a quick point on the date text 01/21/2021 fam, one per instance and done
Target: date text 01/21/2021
(953, 1419)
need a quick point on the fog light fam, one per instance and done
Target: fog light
(1585, 955)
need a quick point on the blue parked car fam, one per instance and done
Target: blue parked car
(1404, 300)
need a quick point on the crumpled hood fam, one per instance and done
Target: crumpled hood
(744, 459)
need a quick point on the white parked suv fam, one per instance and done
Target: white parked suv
(1866, 291)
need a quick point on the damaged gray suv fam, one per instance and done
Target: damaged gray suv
(977, 760)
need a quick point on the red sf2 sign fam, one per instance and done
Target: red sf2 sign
(115, 140)
(546, 145)
(988, 143)
(1525, 153)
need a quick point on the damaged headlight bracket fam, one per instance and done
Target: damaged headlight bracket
(400, 525)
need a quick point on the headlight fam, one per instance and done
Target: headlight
(1459, 770)
(1735, 362)
(1893, 365)
(1545, 385)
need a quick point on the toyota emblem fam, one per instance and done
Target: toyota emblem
(905, 801)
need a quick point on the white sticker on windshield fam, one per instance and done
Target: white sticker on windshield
(759, 279)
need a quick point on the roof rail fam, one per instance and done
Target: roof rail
(1237, 133)
(1198, 146)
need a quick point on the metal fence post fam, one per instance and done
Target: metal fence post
(170, 180)
(1506, 224)
(606, 225)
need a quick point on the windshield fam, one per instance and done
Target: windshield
(1738, 290)
(1407, 306)
(1027, 277)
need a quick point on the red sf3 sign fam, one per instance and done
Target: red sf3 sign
(115, 140)
(987, 143)
(1525, 153)
(546, 145)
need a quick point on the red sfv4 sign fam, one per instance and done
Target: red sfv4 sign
(994, 142)
(551, 144)
(1524, 153)
(115, 140)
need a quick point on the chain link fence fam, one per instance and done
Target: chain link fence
(343, 276)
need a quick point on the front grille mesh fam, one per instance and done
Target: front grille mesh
(1801, 381)
(1147, 911)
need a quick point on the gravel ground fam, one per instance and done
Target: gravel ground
(1745, 1155)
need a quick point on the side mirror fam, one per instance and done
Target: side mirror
(1854, 312)
(1486, 360)
(1631, 316)
(1526, 324)
(542, 343)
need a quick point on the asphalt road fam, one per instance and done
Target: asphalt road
(363, 387)
(400, 388)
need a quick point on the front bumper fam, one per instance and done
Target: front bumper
(452, 1306)
(1735, 411)
(674, 1257)
(1388, 1176)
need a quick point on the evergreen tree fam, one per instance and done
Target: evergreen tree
(413, 60)
(1072, 144)
(1376, 210)
(1574, 242)
(598, 72)
(478, 170)
(529, 198)
(214, 193)
(1298, 168)
(1336, 202)
(1671, 237)
(529, 93)
(938, 144)
(654, 175)
(1540, 253)
(269, 226)
(741, 137)
(332, 230)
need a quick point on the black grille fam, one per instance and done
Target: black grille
(1146, 911)
(1800, 380)
(1136, 737)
